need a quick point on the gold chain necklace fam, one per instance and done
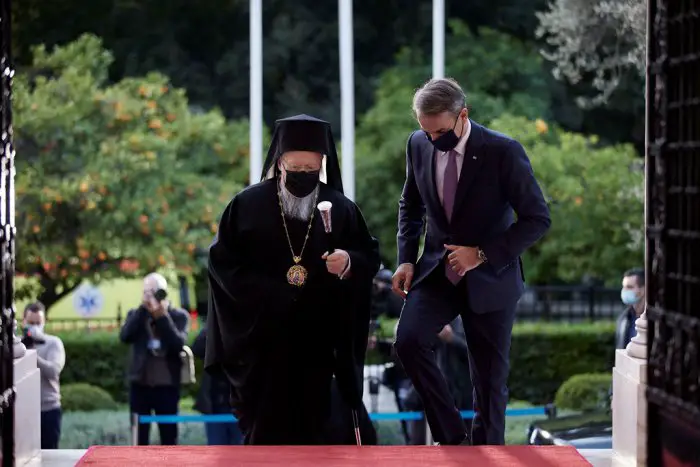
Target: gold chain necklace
(297, 274)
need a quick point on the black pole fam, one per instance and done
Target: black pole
(7, 243)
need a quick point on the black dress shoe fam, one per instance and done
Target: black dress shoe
(466, 442)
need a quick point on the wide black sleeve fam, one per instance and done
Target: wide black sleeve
(353, 322)
(239, 296)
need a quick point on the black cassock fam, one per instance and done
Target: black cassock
(279, 344)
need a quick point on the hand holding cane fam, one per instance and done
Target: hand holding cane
(324, 208)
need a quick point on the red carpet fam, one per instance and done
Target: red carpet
(326, 456)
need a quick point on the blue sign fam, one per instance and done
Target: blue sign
(87, 301)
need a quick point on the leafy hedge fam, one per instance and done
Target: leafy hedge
(589, 391)
(100, 359)
(543, 356)
(83, 397)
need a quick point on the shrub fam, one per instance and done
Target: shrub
(588, 391)
(85, 398)
(100, 359)
(543, 356)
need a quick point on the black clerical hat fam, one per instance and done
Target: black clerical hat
(304, 133)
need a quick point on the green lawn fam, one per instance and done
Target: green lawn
(116, 294)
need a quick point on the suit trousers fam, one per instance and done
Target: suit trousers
(161, 400)
(429, 306)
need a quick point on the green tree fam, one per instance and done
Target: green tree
(108, 174)
(603, 39)
(596, 198)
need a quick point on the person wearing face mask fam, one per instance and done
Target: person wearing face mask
(286, 315)
(51, 357)
(632, 296)
(469, 184)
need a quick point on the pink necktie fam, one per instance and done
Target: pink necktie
(449, 191)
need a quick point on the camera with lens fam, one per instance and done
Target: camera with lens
(160, 295)
(31, 338)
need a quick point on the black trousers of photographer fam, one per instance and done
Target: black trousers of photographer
(161, 400)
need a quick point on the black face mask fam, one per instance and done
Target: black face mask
(447, 141)
(301, 184)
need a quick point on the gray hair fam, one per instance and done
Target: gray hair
(156, 279)
(438, 96)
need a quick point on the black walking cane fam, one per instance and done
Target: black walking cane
(324, 208)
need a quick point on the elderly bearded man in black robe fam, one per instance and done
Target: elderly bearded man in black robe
(285, 316)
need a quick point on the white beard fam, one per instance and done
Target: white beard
(297, 208)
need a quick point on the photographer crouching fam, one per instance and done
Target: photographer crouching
(51, 357)
(157, 333)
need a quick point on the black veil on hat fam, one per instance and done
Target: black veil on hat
(304, 133)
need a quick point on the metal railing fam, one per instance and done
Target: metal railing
(88, 324)
(569, 303)
(673, 231)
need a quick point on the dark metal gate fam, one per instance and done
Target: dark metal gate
(7, 242)
(673, 232)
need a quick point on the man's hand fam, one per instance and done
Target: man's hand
(463, 259)
(336, 262)
(154, 307)
(401, 282)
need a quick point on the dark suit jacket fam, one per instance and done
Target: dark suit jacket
(625, 328)
(172, 331)
(496, 183)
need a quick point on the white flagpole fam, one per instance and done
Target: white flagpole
(438, 38)
(256, 91)
(347, 95)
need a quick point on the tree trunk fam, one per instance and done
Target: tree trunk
(48, 296)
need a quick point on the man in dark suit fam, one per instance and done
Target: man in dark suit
(468, 183)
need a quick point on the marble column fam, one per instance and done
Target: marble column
(629, 405)
(18, 348)
(27, 382)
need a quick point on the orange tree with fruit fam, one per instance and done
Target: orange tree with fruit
(114, 179)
